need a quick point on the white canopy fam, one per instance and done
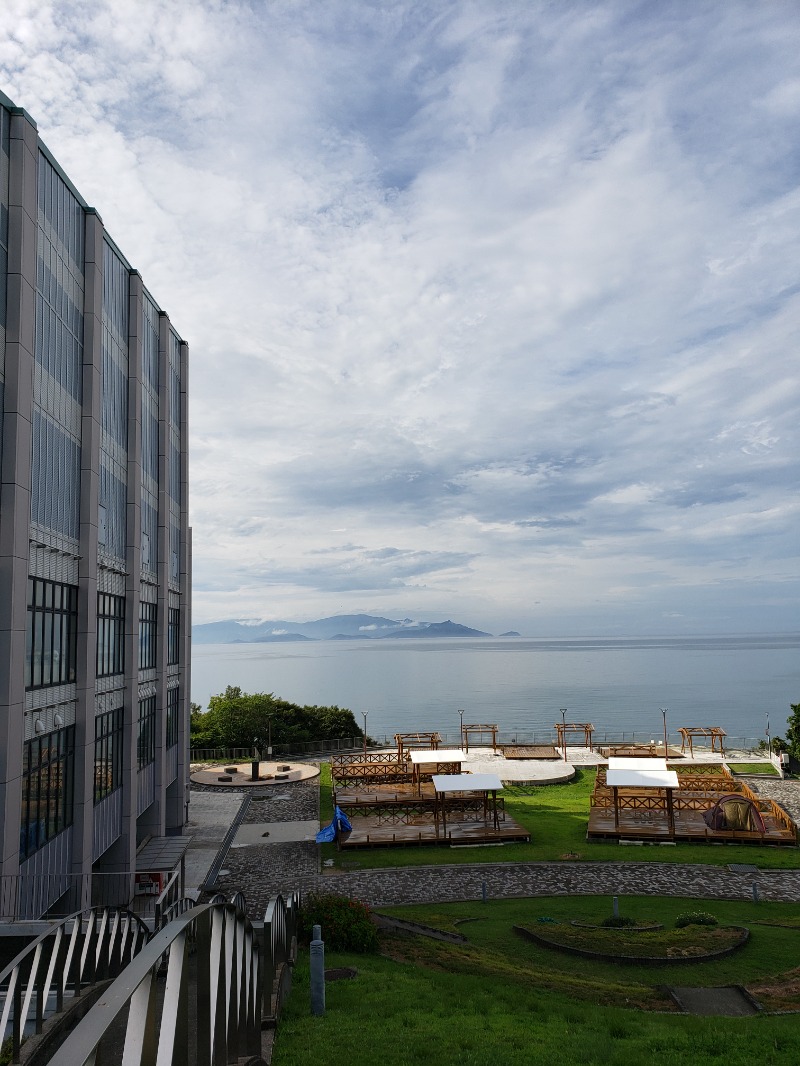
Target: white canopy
(640, 773)
(466, 782)
(425, 757)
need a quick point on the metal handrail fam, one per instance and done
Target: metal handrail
(231, 969)
(78, 952)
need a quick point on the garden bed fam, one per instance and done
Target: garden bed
(656, 948)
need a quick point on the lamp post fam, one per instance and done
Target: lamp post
(365, 713)
(461, 728)
(769, 738)
(664, 716)
(564, 732)
(269, 736)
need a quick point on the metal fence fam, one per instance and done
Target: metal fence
(218, 993)
(29, 897)
(62, 964)
(312, 748)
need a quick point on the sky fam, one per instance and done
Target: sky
(493, 308)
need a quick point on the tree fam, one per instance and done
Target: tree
(237, 719)
(793, 731)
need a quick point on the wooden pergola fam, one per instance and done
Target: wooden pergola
(412, 741)
(628, 778)
(447, 784)
(574, 727)
(691, 732)
(478, 730)
(440, 761)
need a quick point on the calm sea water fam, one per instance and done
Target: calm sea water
(619, 685)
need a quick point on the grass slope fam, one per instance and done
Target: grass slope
(500, 999)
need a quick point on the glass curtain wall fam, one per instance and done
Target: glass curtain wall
(149, 438)
(4, 162)
(174, 483)
(56, 447)
(114, 409)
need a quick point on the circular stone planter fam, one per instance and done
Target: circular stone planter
(648, 927)
(636, 960)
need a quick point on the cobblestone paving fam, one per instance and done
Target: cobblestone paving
(262, 871)
(786, 793)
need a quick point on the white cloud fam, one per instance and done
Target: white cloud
(506, 292)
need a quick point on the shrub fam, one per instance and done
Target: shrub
(617, 921)
(345, 923)
(695, 918)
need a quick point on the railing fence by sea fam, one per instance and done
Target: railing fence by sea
(312, 748)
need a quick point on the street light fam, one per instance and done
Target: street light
(365, 713)
(769, 738)
(269, 739)
(564, 731)
(461, 728)
(664, 716)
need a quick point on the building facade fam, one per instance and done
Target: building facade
(95, 552)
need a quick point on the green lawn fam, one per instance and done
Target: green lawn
(556, 816)
(501, 999)
(754, 768)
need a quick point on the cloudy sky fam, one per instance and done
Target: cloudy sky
(493, 307)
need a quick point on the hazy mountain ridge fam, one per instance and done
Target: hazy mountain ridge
(336, 627)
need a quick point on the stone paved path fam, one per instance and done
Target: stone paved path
(262, 871)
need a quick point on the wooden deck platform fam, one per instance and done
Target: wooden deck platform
(689, 826)
(366, 835)
(529, 751)
(639, 751)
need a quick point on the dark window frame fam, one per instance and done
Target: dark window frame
(173, 716)
(146, 736)
(148, 635)
(51, 652)
(108, 745)
(173, 636)
(48, 789)
(110, 634)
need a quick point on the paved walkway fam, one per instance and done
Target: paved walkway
(261, 871)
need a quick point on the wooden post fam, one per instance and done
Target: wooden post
(670, 815)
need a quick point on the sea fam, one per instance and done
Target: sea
(744, 684)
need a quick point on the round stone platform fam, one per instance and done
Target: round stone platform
(269, 773)
(517, 771)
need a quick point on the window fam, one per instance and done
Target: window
(48, 765)
(107, 753)
(148, 635)
(110, 634)
(51, 652)
(173, 716)
(173, 636)
(146, 741)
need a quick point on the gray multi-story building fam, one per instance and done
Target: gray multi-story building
(95, 550)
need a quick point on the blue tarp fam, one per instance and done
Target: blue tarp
(339, 824)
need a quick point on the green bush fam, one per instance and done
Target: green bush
(345, 923)
(617, 921)
(694, 918)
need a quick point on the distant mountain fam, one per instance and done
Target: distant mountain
(440, 629)
(337, 627)
(511, 633)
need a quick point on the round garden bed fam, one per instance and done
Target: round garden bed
(644, 947)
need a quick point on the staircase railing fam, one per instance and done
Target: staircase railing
(218, 974)
(77, 953)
